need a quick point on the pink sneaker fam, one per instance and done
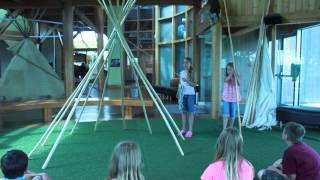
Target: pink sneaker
(183, 132)
(188, 134)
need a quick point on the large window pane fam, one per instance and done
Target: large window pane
(206, 70)
(146, 12)
(166, 30)
(288, 56)
(180, 50)
(180, 27)
(310, 65)
(166, 11)
(244, 53)
(181, 8)
(165, 65)
(133, 14)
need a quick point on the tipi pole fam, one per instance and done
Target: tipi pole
(112, 16)
(111, 40)
(85, 102)
(58, 117)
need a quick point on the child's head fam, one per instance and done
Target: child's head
(126, 161)
(293, 132)
(187, 63)
(14, 164)
(229, 150)
(229, 68)
(229, 143)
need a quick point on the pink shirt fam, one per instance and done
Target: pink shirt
(229, 92)
(215, 171)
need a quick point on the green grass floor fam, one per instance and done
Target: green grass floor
(85, 155)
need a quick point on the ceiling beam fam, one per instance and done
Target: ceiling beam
(32, 4)
(85, 19)
(50, 31)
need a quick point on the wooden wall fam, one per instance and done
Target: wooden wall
(246, 12)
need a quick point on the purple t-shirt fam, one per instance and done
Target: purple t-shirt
(301, 160)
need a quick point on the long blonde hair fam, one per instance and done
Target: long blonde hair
(126, 162)
(229, 150)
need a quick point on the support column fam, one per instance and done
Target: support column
(196, 46)
(273, 48)
(67, 15)
(157, 40)
(216, 74)
(100, 32)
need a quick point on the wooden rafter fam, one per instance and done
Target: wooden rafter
(85, 19)
(50, 31)
(31, 4)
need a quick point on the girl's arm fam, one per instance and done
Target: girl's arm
(193, 84)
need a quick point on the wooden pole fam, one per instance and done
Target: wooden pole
(67, 15)
(215, 79)
(110, 12)
(100, 32)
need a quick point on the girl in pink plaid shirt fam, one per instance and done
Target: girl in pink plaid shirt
(230, 95)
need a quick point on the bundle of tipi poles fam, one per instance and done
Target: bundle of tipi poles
(68, 109)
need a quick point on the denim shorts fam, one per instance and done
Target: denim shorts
(229, 109)
(188, 103)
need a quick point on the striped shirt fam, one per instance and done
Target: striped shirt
(229, 92)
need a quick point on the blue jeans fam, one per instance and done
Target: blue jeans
(229, 109)
(188, 103)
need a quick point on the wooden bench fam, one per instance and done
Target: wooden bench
(48, 105)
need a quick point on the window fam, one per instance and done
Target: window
(166, 31)
(181, 27)
(166, 11)
(165, 65)
(180, 50)
(288, 56)
(310, 64)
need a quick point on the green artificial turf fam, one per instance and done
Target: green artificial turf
(85, 154)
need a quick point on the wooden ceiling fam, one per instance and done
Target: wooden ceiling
(85, 10)
(53, 4)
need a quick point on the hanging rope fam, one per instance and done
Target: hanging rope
(235, 69)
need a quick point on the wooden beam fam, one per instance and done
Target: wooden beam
(32, 4)
(215, 78)
(157, 49)
(50, 31)
(245, 30)
(195, 46)
(56, 103)
(68, 47)
(6, 23)
(287, 18)
(85, 19)
(100, 44)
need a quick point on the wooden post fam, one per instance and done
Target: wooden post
(196, 46)
(157, 40)
(47, 115)
(216, 58)
(67, 15)
(100, 32)
(273, 48)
